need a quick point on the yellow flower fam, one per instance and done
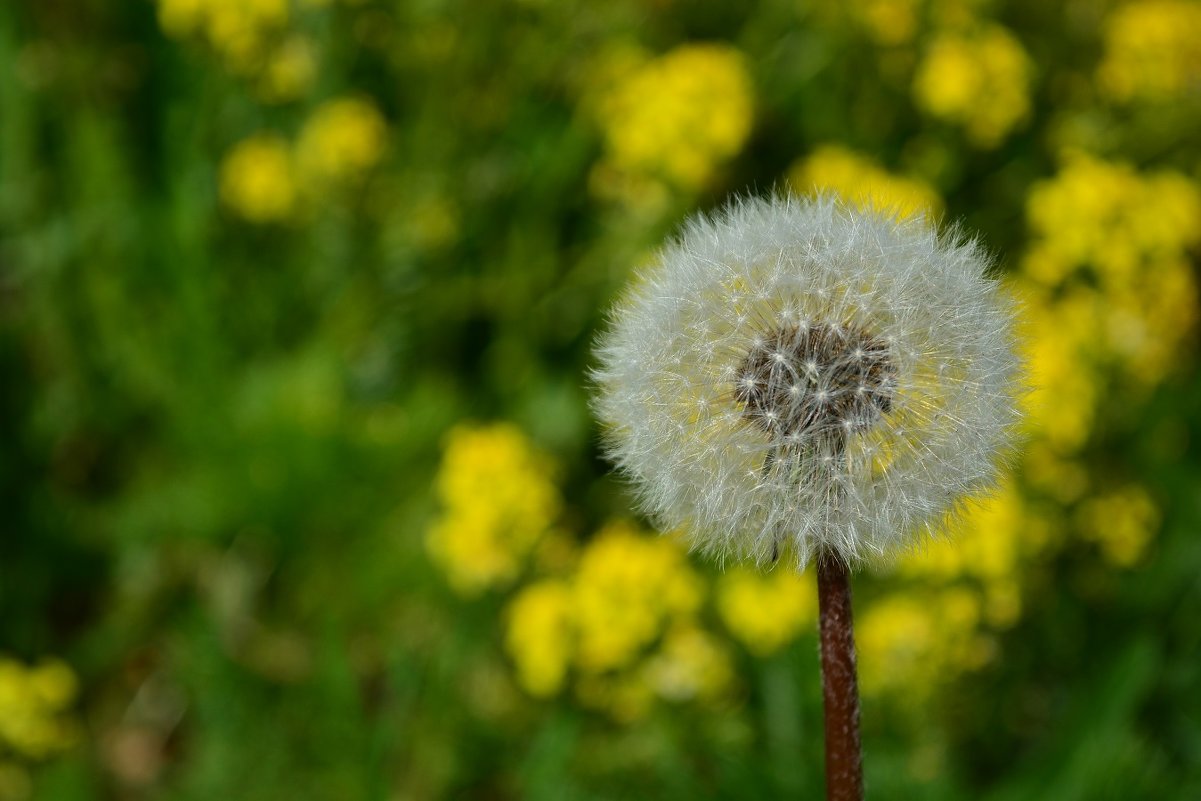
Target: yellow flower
(539, 636)
(238, 29)
(862, 182)
(33, 706)
(499, 501)
(625, 617)
(978, 80)
(1110, 256)
(1061, 337)
(691, 664)
(677, 117)
(985, 555)
(888, 22)
(182, 17)
(343, 139)
(257, 179)
(1151, 51)
(289, 71)
(908, 643)
(1122, 523)
(627, 587)
(765, 611)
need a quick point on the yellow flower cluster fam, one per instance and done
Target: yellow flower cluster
(625, 618)
(1112, 298)
(1109, 264)
(251, 36)
(499, 501)
(1122, 523)
(264, 178)
(1152, 52)
(33, 708)
(766, 611)
(911, 642)
(863, 182)
(674, 119)
(980, 80)
(1108, 287)
(955, 594)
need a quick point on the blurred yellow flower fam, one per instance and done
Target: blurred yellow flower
(625, 617)
(985, 554)
(1119, 240)
(909, 643)
(498, 501)
(888, 22)
(677, 117)
(237, 29)
(691, 664)
(539, 636)
(289, 70)
(343, 139)
(33, 708)
(979, 80)
(863, 182)
(1122, 523)
(627, 588)
(765, 611)
(258, 180)
(1152, 51)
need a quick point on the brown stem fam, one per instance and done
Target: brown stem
(840, 690)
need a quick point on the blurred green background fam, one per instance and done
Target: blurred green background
(301, 497)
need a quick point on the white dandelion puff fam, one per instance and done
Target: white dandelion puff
(800, 373)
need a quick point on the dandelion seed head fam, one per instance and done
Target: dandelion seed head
(860, 374)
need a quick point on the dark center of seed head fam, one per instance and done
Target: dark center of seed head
(823, 381)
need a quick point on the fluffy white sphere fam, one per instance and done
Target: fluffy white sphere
(796, 373)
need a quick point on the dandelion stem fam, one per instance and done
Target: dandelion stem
(840, 690)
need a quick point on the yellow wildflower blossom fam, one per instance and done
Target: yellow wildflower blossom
(258, 180)
(625, 618)
(888, 22)
(1151, 51)
(679, 116)
(986, 550)
(691, 664)
(499, 501)
(863, 182)
(539, 636)
(1122, 523)
(238, 29)
(289, 70)
(33, 706)
(765, 611)
(908, 643)
(978, 80)
(1059, 345)
(1129, 234)
(625, 696)
(627, 587)
(343, 139)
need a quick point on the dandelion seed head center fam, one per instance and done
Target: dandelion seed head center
(800, 381)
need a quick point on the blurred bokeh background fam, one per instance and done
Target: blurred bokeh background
(300, 497)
